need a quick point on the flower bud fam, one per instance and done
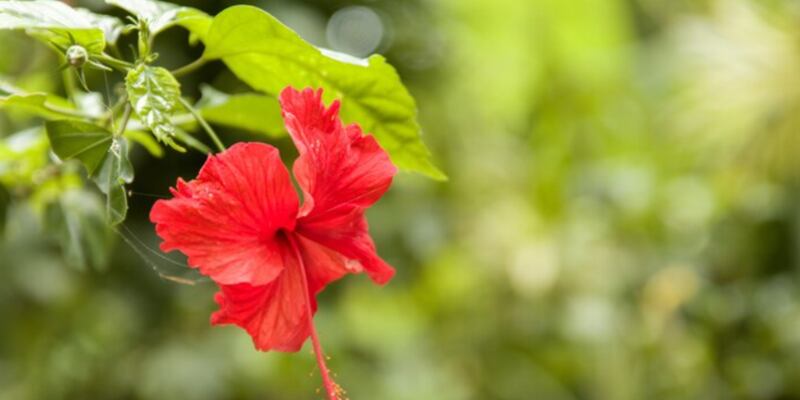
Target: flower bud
(77, 56)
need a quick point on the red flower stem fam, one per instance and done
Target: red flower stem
(330, 386)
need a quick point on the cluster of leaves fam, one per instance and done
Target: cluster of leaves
(257, 48)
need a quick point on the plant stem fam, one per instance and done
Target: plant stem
(331, 387)
(109, 115)
(189, 68)
(126, 116)
(66, 111)
(117, 64)
(69, 84)
(204, 124)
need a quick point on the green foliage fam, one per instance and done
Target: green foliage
(145, 140)
(80, 140)
(23, 156)
(78, 225)
(55, 22)
(160, 15)
(95, 129)
(105, 159)
(115, 171)
(5, 201)
(154, 95)
(268, 56)
(249, 111)
(41, 104)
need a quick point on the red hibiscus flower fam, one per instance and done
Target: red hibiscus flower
(241, 223)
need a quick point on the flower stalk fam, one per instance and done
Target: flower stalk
(331, 388)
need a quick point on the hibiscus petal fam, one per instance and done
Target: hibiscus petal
(339, 168)
(275, 315)
(341, 172)
(323, 265)
(348, 235)
(226, 220)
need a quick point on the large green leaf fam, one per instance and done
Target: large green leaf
(161, 15)
(251, 112)
(37, 103)
(269, 56)
(112, 27)
(155, 96)
(79, 140)
(53, 21)
(105, 159)
(77, 223)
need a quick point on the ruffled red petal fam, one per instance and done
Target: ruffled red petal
(348, 235)
(323, 265)
(339, 167)
(275, 314)
(225, 221)
(341, 172)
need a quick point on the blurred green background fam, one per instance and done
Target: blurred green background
(621, 220)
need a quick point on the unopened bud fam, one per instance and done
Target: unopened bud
(77, 56)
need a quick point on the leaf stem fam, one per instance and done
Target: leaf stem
(126, 116)
(69, 84)
(204, 124)
(108, 116)
(115, 63)
(331, 387)
(189, 68)
(66, 111)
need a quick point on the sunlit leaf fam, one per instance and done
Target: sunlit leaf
(112, 27)
(251, 112)
(22, 155)
(34, 103)
(53, 21)
(191, 141)
(161, 15)
(269, 56)
(155, 96)
(146, 140)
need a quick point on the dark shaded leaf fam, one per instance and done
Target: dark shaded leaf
(86, 142)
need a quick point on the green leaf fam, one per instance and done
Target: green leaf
(251, 112)
(115, 171)
(112, 27)
(77, 222)
(86, 142)
(22, 156)
(161, 15)
(190, 141)
(145, 140)
(38, 103)
(155, 96)
(105, 158)
(269, 56)
(53, 21)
